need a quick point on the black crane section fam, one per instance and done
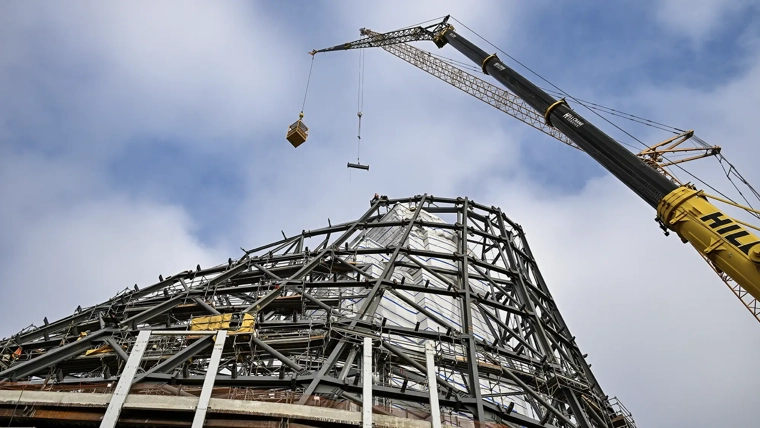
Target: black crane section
(646, 182)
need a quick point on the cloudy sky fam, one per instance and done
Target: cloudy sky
(139, 139)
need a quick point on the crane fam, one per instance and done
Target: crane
(725, 243)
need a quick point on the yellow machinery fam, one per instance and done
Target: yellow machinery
(722, 240)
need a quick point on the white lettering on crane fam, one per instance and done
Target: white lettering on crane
(573, 120)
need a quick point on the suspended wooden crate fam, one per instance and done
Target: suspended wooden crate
(297, 132)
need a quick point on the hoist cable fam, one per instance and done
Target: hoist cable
(615, 112)
(308, 79)
(360, 104)
(704, 183)
(588, 104)
(591, 105)
(554, 86)
(423, 22)
(739, 176)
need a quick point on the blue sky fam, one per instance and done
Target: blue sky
(138, 140)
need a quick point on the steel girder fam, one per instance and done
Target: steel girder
(424, 268)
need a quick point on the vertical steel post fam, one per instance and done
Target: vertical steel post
(367, 384)
(435, 411)
(208, 381)
(466, 304)
(125, 381)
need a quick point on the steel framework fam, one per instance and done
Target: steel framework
(409, 274)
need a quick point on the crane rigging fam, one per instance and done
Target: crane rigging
(359, 114)
(724, 242)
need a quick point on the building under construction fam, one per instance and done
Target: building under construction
(424, 311)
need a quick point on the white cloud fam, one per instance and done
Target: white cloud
(697, 20)
(121, 73)
(67, 241)
(650, 313)
(86, 254)
(660, 327)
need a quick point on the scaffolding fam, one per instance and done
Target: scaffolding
(446, 291)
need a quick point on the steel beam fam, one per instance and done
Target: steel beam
(347, 364)
(389, 267)
(277, 354)
(180, 357)
(229, 273)
(516, 379)
(117, 349)
(152, 312)
(424, 311)
(205, 305)
(53, 327)
(55, 356)
(575, 406)
(407, 359)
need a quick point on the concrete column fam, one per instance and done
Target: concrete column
(125, 381)
(208, 381)
(435, 410)
(367, 384)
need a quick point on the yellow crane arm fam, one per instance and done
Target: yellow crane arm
(730, 247)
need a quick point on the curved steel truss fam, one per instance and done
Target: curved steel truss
(409, 272)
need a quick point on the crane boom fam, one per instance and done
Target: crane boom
(650, 185)
(472, 85)
(729, 247)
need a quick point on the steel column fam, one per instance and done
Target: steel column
(466, 311)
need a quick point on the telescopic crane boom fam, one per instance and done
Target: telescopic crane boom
(731, 249)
